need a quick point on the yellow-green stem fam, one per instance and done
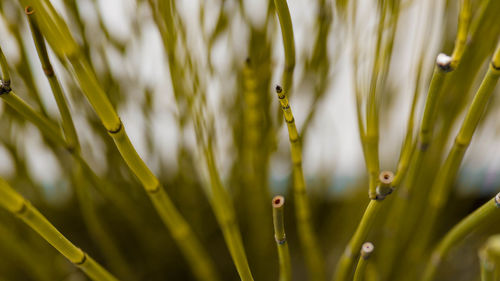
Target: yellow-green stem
(20, 207)
(280, 237)
(457, 233)
(366, 252)
(307, 236)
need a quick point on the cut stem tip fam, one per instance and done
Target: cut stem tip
(497, 200)
(367, 249)
(443, 61)
(29, 10)
(278, 201)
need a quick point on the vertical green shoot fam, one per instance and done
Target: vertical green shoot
(280, 237)
(288, 44)
(464, 19)
(307, 237)
(448, 172)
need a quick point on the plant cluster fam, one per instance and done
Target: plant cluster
(128, 213)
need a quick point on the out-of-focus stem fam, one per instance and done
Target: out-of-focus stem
(366, 252)
(280, 237)
(288, 44)
(457, 233)
(17, 205)
(448, 172)
(307, 237)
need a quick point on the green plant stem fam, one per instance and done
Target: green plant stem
(366, 252)
(280, 237)
(225, 215)
(20, 207)
(489, 256)
(346, 263)
(401, 204)
(62, 104)
(288, 44)
(464, 20)
(457, 233)
(307, 237)
(448, 172)
(408, 144)
(57, 34)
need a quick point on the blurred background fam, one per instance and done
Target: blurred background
(230, 52)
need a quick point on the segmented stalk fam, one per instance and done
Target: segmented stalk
(101, 237)
(280, 237)
(448, 172)
(458, 232)
(20, 207)
(307, 237)
(57, 34)
(346, 263)
(366, 252)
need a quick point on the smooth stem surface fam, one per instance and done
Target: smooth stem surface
(288, 43)
(62, 104)
(280, 237)
(366, 252)
(346, 262)
(464, 20)
(17, 205)
(448, 172)
(457, 233)
(225, 215)
(5, 69)
(307, 236)
(55, 30)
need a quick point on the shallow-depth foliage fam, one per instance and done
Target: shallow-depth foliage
(160, 140)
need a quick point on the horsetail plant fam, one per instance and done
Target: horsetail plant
(280, 237)
(307, 237)
(192, 85)
(20, 207)
(457, 233)
(365, 253)
(64, 46)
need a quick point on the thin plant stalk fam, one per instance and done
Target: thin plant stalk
(346, 263)
(489, 257)
(457, 233)
(448, 172)
(307, 237)
(220, 199)
(57, 34)
(280, 237)
(95, 226)
(288, 44)
(20, 207)
(366, 252)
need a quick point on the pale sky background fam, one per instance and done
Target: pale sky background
(333, 147)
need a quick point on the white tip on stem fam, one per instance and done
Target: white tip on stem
(443, 60)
